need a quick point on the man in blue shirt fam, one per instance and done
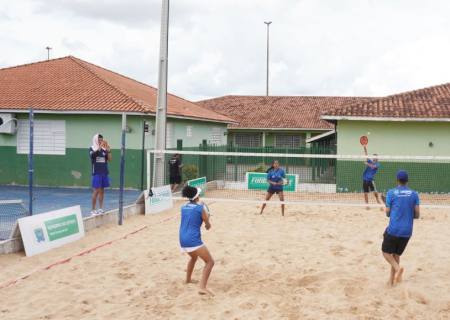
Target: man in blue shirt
(100, 154)
(372, 166)
(402, 207)
(276, 177)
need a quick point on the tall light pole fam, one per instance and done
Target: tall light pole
(161, 108)
(267, 62)
(48, 52)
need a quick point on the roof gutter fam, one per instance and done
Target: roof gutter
(111, 113)
(399, 119)
(320, 136)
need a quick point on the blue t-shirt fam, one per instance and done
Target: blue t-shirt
(369, 173)
(276, 175)
(402, 202)
(99, 160)
(191, 222)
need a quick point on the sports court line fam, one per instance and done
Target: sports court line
(310, 203)
(80, 254)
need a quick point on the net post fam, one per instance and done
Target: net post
(30, 161)
(122, 168)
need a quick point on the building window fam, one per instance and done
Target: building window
(216, 136)
(189, 131)
(49, 137)
(288, 141)
(248, 140)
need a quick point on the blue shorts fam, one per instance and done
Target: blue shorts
(100, 181)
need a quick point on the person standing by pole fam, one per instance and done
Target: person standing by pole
(100, 154)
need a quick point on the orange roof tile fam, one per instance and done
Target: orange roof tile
(283, 112)
(431, 103)
(71, 84)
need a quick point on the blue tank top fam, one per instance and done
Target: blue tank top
(191, 222)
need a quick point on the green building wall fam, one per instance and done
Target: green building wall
(74, 170)
(395, 138)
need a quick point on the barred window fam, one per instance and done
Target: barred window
(248, 140)
(288, 141)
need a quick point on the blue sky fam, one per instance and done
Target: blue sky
(217, 47)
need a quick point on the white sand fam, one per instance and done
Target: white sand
(315, 263)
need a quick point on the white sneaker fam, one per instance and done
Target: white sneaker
(100, 211)
(94, 212)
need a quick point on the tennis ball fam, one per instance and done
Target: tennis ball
(368, 133)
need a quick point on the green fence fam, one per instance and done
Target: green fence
(424, 176)
(233, 168)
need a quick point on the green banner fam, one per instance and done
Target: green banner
(258, 181)
(62, 227)
(198, 183)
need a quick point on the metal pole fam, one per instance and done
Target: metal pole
(267, 61)
(30, 162)
(161, 110)
(122, 168)
(143, 154)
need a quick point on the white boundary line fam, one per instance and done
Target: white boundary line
(299, 155)
(309, 203)
(11, 201)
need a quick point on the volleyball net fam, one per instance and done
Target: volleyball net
(311, 179)
(10, 211)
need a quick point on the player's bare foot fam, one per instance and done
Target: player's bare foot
(390, 282)
(191, 281)
(398, 275)
(367, 208)
(205, 292)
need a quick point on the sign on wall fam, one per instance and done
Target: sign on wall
(160, 200)
(258, 181)
(50, 230)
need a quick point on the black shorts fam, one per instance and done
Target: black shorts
(272, 191)
(369, 186)
(175, 179)
(393, 244)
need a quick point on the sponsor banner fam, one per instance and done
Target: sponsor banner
(198, 183)
(258, 181)
(160, 200)
(43, 232)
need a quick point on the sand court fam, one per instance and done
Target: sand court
(315, 263)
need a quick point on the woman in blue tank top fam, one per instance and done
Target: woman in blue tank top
(276, 177)
(193, 214)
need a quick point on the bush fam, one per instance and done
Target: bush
(190, 172)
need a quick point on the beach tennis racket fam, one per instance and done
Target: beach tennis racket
(205, 206)
(285, 182)
(364, 140)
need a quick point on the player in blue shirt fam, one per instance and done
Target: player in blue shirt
(276, 177)
(372, 166)
(193, 215)
(100, 154)
(402, 207)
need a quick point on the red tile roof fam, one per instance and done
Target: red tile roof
(299, 112)
(71, 84)
(431, 103)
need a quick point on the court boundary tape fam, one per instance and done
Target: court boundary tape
(310, 203)
(80, 254)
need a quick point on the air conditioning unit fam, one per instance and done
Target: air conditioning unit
(8, 123)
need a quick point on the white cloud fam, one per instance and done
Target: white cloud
(318, 47)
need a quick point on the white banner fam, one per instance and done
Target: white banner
(160, 201)
(43, 232)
